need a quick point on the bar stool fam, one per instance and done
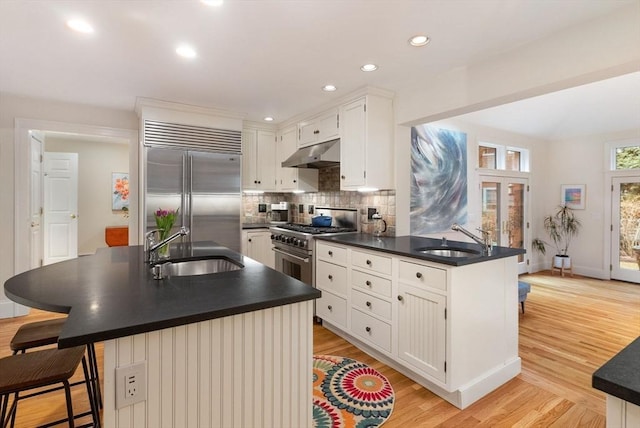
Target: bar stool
(24, 372)
(43, 333)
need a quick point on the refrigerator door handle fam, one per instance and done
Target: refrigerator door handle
(190, 193)
(185, 190)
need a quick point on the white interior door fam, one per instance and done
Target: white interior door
(504, 212)
(625, 227)
(35, 205)
(60, 206)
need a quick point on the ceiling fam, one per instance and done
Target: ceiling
(271, 57)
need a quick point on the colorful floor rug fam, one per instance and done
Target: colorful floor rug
(349, 394)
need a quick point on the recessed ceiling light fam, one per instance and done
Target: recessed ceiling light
(186, 51)
(213, 2)
(369, 67)
(268, 119)
(419, 40)
(329, 88)
(80, 26)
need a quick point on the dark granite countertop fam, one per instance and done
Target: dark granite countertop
(255, 225)
(407, 246)
(620, 376)
(112, 294)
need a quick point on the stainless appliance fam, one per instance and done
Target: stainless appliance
(280, 212)
(293, 243)
(320, 155)
(205, 186)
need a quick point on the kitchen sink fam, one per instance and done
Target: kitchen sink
(449, 252)
(195, 267)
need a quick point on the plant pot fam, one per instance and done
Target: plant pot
(561, 261)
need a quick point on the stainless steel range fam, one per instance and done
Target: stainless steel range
(294, 244)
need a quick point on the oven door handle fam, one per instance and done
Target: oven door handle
(302, 259)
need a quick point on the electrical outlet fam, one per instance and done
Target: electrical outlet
(370, 213)
(310, 209)
(262, 208)
(131, 384)
(301, 209)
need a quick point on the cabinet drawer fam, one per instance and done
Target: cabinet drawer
(420, 275)
(371, 330)
(332, 308)
(371, 262)
(331, 253)
(369, 304)
(370, 282)
(331, 277)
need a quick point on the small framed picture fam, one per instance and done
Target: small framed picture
(574, 196)
(120, 191)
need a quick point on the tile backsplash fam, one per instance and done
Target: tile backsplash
(383, 201)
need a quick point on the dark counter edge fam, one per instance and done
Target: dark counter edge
(176, 322)
(451, 261)
(613, 377)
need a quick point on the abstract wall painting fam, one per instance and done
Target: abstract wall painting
(438, 179)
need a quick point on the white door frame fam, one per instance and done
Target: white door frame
(630, 176)
(488, 175)
(22, 180)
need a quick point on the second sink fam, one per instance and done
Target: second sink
(448, 252)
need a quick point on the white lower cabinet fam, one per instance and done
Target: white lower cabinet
(422, 330)
(452, 329)
(257, 245)
(332, 309)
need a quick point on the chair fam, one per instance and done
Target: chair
(43, 333)
(44, 368)
(523, 290)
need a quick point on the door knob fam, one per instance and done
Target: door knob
(73, 216)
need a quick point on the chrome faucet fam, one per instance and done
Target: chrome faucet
(151, 246)
(485, 241)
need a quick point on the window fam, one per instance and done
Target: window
(493, 156)
(627, 157)
(487, 157)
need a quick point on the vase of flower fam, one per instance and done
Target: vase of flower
(164, 222)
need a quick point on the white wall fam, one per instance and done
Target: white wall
(582, 160)
(547, 65)
(14, 107)
(96, 162)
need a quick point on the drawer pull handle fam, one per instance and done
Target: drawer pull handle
(400, 298)
(418, 275)
(368, 329)
(330, 307)
(368, 283)
(369, 262)
(331, 277)
(369, 304)
(330, 253)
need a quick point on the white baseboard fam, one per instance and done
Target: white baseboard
(8, 309)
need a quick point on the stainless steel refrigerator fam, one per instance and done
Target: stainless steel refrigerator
(206, 187)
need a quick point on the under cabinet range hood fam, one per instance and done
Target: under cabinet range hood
(321, 155)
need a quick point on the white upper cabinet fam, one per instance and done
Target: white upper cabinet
(324, 127)
(293, 179)
(366, 144)
(258, 159)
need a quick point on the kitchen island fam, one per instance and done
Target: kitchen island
(226, 349)
(448, 323)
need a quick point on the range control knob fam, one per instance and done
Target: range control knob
(273, 236)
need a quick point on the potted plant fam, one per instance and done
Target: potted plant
(561, 227)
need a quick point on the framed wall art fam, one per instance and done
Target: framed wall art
(574, 196)
(120, 191)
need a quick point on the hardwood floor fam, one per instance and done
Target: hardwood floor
(571, 327)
